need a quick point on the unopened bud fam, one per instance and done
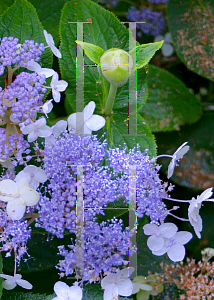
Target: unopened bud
(116, 66)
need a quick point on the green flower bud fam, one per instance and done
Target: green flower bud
(116, 66)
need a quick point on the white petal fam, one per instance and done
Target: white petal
(167, 230)
(183, 237)
(108, 280)
(22, 174)
(33, 66)
(158, 38)
(30, 169)
(108, 293)
(95, 123)
(74, 118)
(9, 277)
(47, 72)
(160, 252)
(181, 152)
(40, 123)
(61, 289)
(24, 284)
(8, 187)
(75, 293)
(171, 168)
(27, 129)
(49, 139)
(44, 132)
(59, 127)
(61, 85)
(155, 243)
(32, 136)
(29, 196)
(136, 287)
(150, 229)
(40, 176)
(86, 130)
(167, 49)
(145, 287)
(167, 37)
(9, 285)
(22, 183)
(56, 52)
(47, 107)
(125, 272)
(56, 96)
(88, 110)
(205, 195)
(176, 252)
(15, 209)
(125, 287)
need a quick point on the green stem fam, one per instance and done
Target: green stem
(110, 100)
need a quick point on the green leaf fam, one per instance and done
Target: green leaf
(196, 168)
(117, 133)
(21, 21)
(4, 5)
(170, 104)
(92, 51)
(92, 292)
(145, 52)
(1, 279)
(11, 295)
(191, 27)
(49, 13)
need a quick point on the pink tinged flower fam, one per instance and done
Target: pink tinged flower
(193, 210)
(118, 283)
(18, 195)
(35, 67)
(47, 107)
(179, 153)
(51, 44)
(57, 129)
(158, 234)
(57, 87)
(64, 292)
(85, 120)
(36, 129)
(35, 176)
(12, 281)
(174, 246)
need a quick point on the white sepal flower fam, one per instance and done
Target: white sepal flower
(6, 163)
(36, 129)
(51, 44)
(118, 283)
(158, 234)
(35, 67)
(86, 120)
(35, 176)
(193, 210)
(47, 107)
(179, 153)
(167, 49)
(174, 246)
(64, 292)
(18, 195)
(57, 87)
(12, 281)
(57, 129)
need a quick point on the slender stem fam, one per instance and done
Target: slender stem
(110, 100)
(10, 75)
(15, 265)
(163, 155)
(181, 219)
(177, 200)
